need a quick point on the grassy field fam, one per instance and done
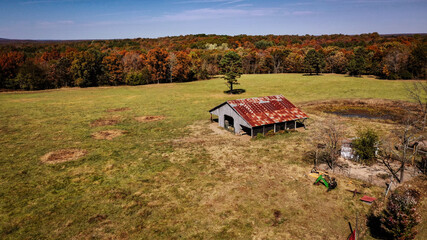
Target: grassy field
(173, 178)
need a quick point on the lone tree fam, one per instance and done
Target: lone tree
(314, 61)
(231, 67)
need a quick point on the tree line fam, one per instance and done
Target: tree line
(44, 65)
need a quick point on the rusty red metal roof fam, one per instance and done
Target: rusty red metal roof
(266, 110)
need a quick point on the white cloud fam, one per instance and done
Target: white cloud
(215, 13)
(45, 24)
(302, 13)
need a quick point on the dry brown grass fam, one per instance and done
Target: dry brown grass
(108, 134)
(63, 155)
(253, 181)
(260, 178)
(149, 118)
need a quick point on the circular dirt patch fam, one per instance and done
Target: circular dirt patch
(105, 121)
(108, 134)
(118, 109)
(149, 118)
(63, 155)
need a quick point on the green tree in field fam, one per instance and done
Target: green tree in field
(365, 145)
(357, 65)
(231, 67)
(314, 61)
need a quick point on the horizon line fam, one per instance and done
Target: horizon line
(208, 34)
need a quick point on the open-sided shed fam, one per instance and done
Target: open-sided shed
(259, 115)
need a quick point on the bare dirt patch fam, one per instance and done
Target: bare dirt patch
(106, 121)
(63, 155)
(108, 134)
(118, 109)
(376, 174)
(379, 109)
(149, 118)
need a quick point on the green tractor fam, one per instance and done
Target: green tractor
(329, 182)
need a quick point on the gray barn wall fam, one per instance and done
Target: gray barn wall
(227, 110)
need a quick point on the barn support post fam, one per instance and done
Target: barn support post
(252, 132)
(295, 125)
(263, 130)
(286, 126)
(275, 130)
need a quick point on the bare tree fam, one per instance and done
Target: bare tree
(418, 93)
(330, 137)
(398, 148)
(396, 59)
(172, 62)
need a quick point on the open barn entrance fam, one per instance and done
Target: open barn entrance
(246, 130)
(229, 123)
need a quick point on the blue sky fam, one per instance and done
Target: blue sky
(106, 19)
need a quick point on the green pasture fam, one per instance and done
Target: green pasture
(128, 188)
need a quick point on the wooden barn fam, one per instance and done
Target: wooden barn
(258, 115)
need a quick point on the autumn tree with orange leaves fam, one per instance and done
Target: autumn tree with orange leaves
(181, 71)
(114, 69)
(194, 57)
(157, 63)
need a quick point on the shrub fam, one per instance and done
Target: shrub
(365, 145)
(400, 215)
(397, 220)
(260, 136)
(270, 133)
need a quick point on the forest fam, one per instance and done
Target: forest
(36, 65)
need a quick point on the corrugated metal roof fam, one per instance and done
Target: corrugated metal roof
(266, 110)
